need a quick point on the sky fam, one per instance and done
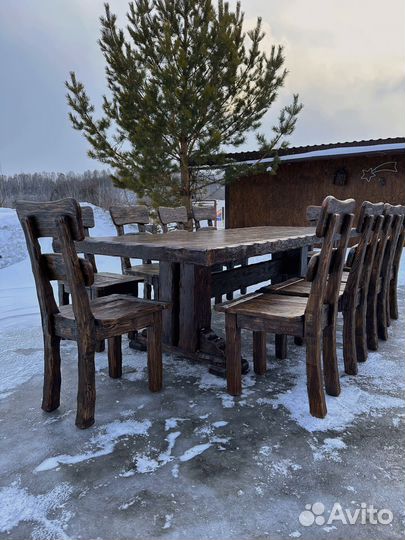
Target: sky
(346, 59)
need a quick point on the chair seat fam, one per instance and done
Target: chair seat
(271, 312)
(296, 287)
(114, 315)
(106, 283)
(144, 270)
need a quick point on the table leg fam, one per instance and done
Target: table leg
(169, 274)
(195, 305)
(294, 263)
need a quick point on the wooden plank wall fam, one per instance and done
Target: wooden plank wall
(283, 198)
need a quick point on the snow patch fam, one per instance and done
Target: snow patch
(330, 449)
(361, 395)
(101, 444)
(168, 521)
(171, 423)
(17, 505)
(195, 451)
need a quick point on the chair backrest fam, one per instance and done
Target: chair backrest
(312, 214)
(61, 220)
(326, 267)
(88, 223)
(368, 226)
(398, 251)
(393, 235)
(129, 215)
(88, 218)
(176, 216)
(205, 213)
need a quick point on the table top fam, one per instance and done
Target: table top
(204, 247)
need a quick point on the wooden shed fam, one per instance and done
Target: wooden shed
(364, 170)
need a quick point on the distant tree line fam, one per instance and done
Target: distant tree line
(94, 187)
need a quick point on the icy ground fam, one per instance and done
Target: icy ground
(191, 462)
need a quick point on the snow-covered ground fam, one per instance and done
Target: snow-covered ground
(154, 461)
(18, 299)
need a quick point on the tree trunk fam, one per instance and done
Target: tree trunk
(185, 183)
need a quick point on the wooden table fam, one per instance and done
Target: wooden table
(186, 276)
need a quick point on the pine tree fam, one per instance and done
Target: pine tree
(184, 81)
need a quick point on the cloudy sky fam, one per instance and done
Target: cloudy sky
(346, 60)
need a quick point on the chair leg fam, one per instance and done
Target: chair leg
(281, 346)
(259, 353)
(63, 296)
(244, 263)
(299, 341)
(388, 307)
(233, 355)
(371, 321)
(86, 395)
(155, 367)
(155, 286)
(394, 313)
(52, 377)
(316, 394)
(382, 326)
(229, 266)
(147, 291)
(330, 363)
(114, 357)
(349, 341)
(361, 333)
(100, 345)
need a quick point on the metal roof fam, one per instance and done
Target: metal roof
(325, 150)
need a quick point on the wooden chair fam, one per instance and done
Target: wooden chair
(305, 317)
(353, 289)
(312, 214)
(393, 288)
(177, 217)
(387, 268)
(147, 271)
(205, 213)
(105, 283)
(85, 321)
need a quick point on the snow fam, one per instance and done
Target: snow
(101, 444)
(354, 401)
(18, 296)
(168, 521)
(344, 151)
(18, 505)
(12, 242)
(330, 449)
(191, 453)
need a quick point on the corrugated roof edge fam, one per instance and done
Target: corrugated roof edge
(255, 155)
